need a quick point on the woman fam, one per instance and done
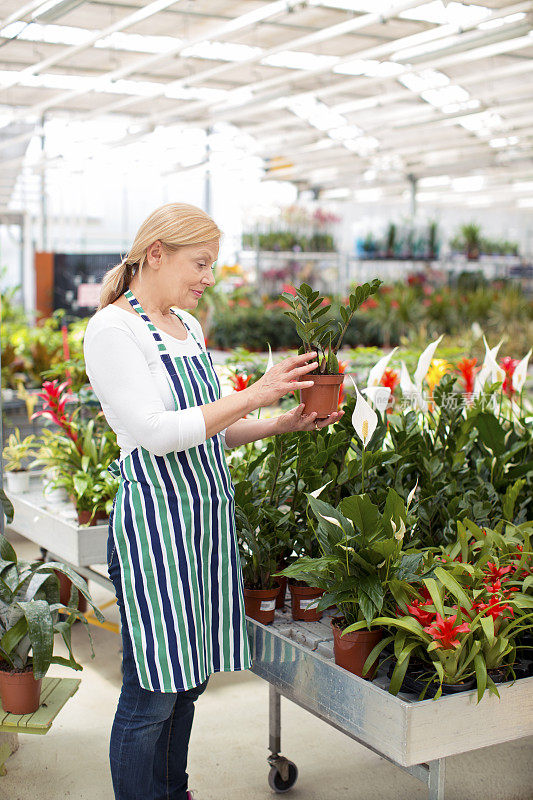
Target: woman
(172, 550)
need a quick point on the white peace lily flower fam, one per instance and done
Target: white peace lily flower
(412, 392)
(332, 520)
(411, 494)
(319, 491)
(487, 368)
(393, 526)
(379, 396)
(399, 534)
(376, 373)
(477, 331)
(270, 362)
(424, 362)
(382, 564)
(364, 418)
(520, 373)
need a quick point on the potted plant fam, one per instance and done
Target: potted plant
(471, 234)
(16, 452)
(29, 620)
(362, 568)
(260, 547)
(325, 336)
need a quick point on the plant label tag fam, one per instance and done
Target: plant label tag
(310, 604)
(267, 605)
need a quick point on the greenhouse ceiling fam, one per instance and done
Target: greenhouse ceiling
(349, 98)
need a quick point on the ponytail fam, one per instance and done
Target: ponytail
(175, 225)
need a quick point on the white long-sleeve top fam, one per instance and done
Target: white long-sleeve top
(129, 378)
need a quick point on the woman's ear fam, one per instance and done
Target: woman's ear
(154, 254)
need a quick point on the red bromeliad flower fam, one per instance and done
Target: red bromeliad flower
(467, 368)
(495, 607)
(390, 380)
(444, 631)
(497, 573)
(55, 399)
(417, 610)
(240, 381)
(508, 365)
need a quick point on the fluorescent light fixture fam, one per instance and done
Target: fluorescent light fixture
(504, 141)
(292, 59)
(221, 51)
(454, 108)
(434, 180)
(445, 96)
(497, 23)
(426, 79)
(473, 183)
(370, 68)
(53, 9)
(525, 202)
(316, 113)
(441, 13)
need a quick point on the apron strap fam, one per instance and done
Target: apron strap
(128, 294)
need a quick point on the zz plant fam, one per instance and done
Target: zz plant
(321, 333)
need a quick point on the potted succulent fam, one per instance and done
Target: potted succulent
(323, 334)
(29, 620)
(362, 568)
(16, 452)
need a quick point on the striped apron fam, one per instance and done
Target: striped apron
(173, 527)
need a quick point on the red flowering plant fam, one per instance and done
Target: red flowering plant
(77, 452)
(467, 618)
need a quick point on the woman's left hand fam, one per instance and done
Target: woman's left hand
(296, 420)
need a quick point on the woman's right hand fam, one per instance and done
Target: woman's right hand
(284, 378)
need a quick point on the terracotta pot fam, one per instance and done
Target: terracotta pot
(84, 517)
(352, 650)
(323, 397)
(303, 600)
(101, 516)
(65, 585)
(20, 692)
(260, 604)
(280, 599)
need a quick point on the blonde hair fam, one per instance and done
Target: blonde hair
(174, 225)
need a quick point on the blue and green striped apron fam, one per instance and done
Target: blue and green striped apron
(173, 526)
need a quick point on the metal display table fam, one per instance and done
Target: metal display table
(296, 658)
(54, 527)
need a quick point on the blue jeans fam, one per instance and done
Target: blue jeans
(151, 730)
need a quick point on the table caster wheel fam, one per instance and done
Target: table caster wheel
(276, 782)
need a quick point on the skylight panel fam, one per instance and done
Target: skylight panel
(370, 68)
(293, 59)
(221, 51)
(426, 79)
(504, 141)
(138, 42)
(195, 93)
(484, 121)
(51, 34)
(444, 96)
(440, 13)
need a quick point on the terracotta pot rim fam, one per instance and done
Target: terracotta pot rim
(363, 634)
(337, 377)
(306, 591)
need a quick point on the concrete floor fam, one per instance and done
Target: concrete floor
(229, 744)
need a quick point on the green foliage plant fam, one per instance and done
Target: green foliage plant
(30, 609)
(17, 451)
(324, 334)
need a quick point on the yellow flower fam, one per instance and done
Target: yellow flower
(437, 368)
